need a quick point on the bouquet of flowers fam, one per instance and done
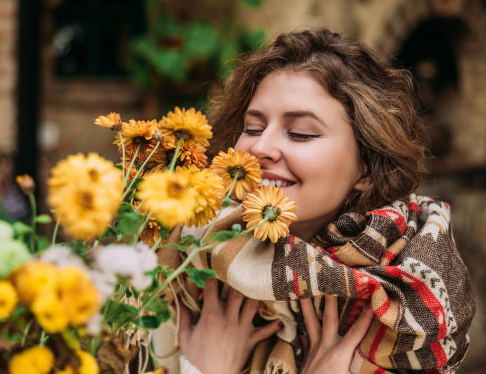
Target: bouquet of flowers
(88, 304)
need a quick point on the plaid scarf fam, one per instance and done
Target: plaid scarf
(401, 257)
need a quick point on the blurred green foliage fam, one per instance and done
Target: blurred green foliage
(188, 45)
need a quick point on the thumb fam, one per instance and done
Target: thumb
(263, 332)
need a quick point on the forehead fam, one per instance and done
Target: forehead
(294, 91)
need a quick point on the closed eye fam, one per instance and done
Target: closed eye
(302, 137)
(252, 132)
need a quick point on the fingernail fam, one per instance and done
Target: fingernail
(281, 324)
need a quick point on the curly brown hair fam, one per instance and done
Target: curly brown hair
(379, 101)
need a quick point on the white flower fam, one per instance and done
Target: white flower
(127, 261)
(6, 230)
(62, 256)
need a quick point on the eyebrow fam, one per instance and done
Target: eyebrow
(290, 114)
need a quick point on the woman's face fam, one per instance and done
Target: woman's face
(304, 143)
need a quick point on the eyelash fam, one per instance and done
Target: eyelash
(294, 135)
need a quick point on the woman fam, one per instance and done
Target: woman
(339, 131)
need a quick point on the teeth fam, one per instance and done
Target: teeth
(275, 183)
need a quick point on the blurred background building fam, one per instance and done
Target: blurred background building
(65, 62)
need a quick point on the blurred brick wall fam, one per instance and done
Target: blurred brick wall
(8, 64)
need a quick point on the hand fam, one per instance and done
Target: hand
(224, 336)
(330, 353)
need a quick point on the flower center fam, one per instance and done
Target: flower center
(175, 189)
(270, 212)
(183, 134)
(139, 140)
(237, 172)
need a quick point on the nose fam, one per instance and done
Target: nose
(266, 147)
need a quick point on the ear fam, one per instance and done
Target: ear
(364, 183)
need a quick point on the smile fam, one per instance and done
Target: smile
(275, 183)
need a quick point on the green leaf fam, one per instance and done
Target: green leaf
(43, 218)
(198, 276)
(252, 3)
(119, 313)
(164, 232)
(160, 308)
(226, 202)
(129, 223)
(148, 322)
(119, 166)
(110, 233)
(21, 228)
(125, 208)
(236, 228)
(222, 236)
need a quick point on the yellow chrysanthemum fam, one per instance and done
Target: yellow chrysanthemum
(85, 192)
(8, 299)
(33, 279)
(67, 370)
(35, 360)
(240, 165)
(269, 202)
(189, 154)
(79, 296)
(210, 194)
(88, 363)
(112, 121)
(169, 197)
(49, 311)
(191, 126)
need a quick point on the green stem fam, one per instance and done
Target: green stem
(140, 170)
(141, 228)
(156, 244)
(33, 207)
(123, 153)
(54, 234)
(131, 165)
(174, 158)
(43, 338)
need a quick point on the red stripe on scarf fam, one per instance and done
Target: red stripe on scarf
(439, 354)
(413, 206)
(394, 216)
(296, 284)
(376, 342)
(383, 308)
(390, 256)
(379, 371)
(292, 242)
(425, 294)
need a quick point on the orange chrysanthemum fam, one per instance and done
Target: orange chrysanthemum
(112, 121)
(271, 204)
(240, 165)
(188, 125)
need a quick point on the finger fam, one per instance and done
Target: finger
(330, 318)
(210, 295)
(233, 305)
(312, 324)
(264, 332)
(358, 330)
(185, 325)
(250, 308)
